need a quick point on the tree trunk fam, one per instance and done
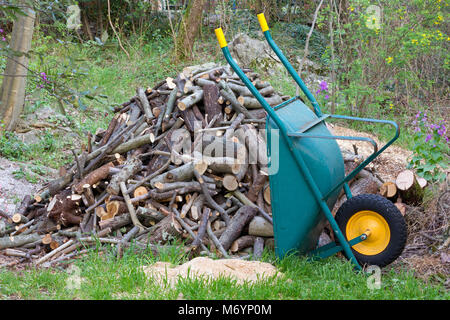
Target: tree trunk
(12, 93)
(189, 27)
(268, 7)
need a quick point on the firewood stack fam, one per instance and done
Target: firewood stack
(183, 161)
(406, 190)
(173, 163)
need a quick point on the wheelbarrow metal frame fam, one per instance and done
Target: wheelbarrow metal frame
(288, 136)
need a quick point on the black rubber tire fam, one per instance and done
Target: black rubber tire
(389, 212)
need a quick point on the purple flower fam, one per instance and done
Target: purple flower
(44, 76)
(3, 39)
(417, 129)
(1, 30)
(418, 114)
(428, 138)
(323, 86)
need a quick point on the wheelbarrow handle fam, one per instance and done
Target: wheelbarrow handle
(262, 22)
(226, 52)
(287, 65)
(221, 38)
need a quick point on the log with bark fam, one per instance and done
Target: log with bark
(237, 224)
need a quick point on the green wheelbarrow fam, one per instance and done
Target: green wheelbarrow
(310, 174)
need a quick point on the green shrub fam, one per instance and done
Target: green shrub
(12, 148)
(397, 54)
(431, 149)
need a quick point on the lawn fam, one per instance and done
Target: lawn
(104, 277)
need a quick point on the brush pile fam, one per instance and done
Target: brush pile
(183, 160)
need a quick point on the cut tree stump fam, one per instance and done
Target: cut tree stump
(130, 167)
(190, 100)
(18, 241)
(255, 188)
(94, 177)
(409, 188)
(258, 248)
(230, 182)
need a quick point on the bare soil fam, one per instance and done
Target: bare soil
(239, 270)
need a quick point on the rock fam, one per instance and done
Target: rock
(324, 239)
(12, 190)
(44, 117)
(30, 137)
(312, 67)
(252, 53)
(47, 113)
(445, 257)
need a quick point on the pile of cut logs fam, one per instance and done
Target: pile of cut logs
(407, 189)
(184, 161)
(173, 164)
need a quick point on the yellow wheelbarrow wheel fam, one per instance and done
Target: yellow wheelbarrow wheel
(382, 223)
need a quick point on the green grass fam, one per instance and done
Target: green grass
(46, 152)
(105, 277)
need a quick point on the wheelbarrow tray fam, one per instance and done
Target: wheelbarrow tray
(297, 218)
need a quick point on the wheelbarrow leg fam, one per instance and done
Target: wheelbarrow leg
(332, 248)
(323, 205)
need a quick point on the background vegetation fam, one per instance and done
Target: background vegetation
(389, 64)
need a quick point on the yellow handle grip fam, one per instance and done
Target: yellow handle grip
(262, 22)
(220, 37)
